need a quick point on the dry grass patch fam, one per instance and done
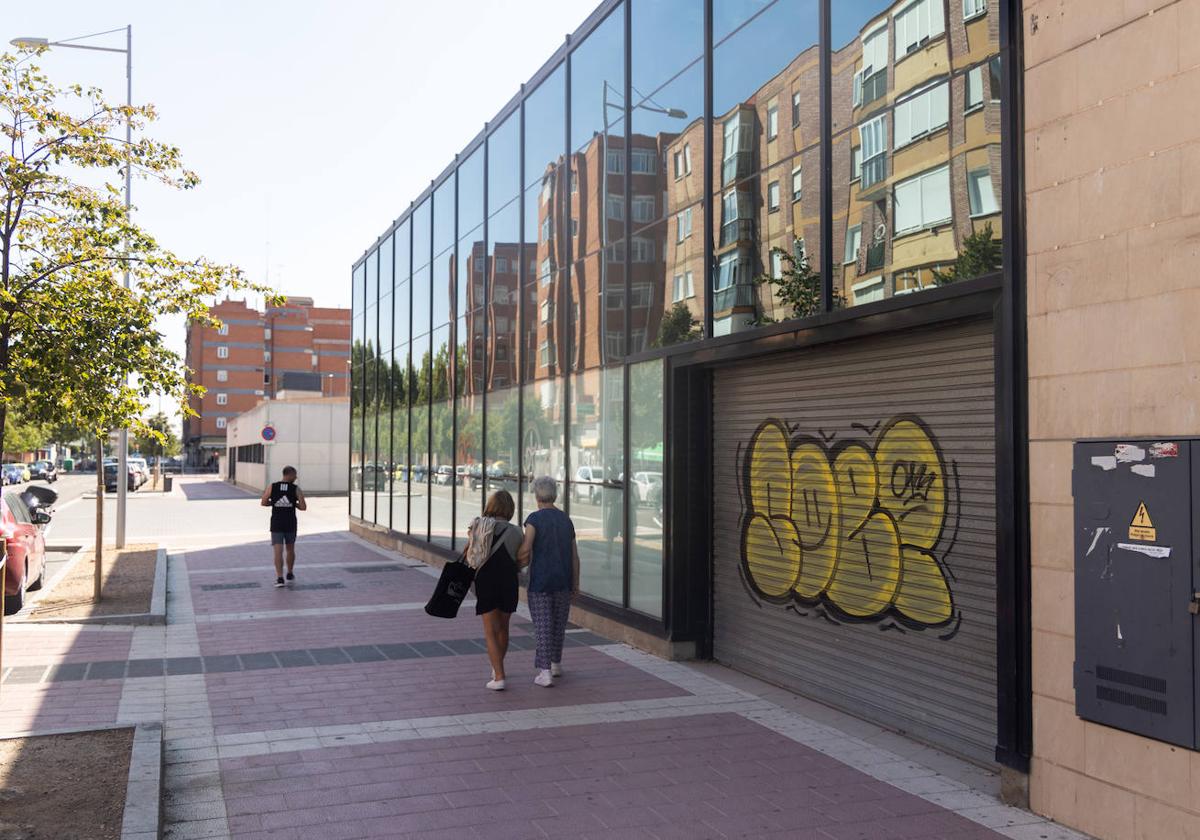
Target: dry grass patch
(127, 587)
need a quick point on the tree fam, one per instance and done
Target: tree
(165, 443)
(677, 326)
(23, 435)
(76, 346)
(981, 254)
(798, 285)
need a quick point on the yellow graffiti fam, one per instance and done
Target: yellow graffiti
(856, 526)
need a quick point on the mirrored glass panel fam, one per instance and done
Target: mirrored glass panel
(468, 438)
(504, 160)
(442, 438)
(597, 480)
(766, 125)
(645, 487)
(443, 252)
(545, 126)
(916, 149)
(401, 395)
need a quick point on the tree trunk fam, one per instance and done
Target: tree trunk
(99, 515)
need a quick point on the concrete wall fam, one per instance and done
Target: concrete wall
(312, 435)
(1112, 148)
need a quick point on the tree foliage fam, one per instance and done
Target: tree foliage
(165, 443)
(677, 326)
(76, 346)
(981, 254)
(798, 285)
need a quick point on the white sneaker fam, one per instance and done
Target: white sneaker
(556, 669)
(496, 685)
(543, 679)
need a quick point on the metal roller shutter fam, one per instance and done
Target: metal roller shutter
(854, 520)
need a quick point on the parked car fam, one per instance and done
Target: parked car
(44, 470)
(443, 475)
(172, 465)
(23, 518)
(15, 473)
(142, 468)
(110, 477)
(649, 485)
(582, 489)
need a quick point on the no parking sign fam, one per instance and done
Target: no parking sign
(268, 433)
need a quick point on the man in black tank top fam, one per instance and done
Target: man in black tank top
(284, 498)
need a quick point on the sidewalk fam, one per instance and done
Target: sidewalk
(338, 709)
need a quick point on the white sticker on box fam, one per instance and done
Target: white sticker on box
(1157, 551)
(1104, 462)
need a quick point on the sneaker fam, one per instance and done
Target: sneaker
(543, 679)
(278, 583)
(556, 669)
(495, 685)
(290, 577)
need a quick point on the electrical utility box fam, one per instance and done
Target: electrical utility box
(1137, 605)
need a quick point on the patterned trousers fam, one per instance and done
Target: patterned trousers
(549, 611)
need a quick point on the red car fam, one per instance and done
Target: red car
(23, 516)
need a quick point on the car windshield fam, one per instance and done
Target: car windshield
(19, 510)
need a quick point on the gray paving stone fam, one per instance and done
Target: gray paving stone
(218, 587)
(221, 664)
(428, 649)
(25, 674)
(364, 653)
(179, 665)
(258, 661)
(293, 658)
(398, 651)
(69, 671)
(467, 646)
(107, 670)
(329, 656)
(145, 668)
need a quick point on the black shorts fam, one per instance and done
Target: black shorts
(496, 584)
(283, 537)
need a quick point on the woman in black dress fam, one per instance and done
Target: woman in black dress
(492, 550)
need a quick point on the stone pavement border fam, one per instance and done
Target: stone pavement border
(158, 599)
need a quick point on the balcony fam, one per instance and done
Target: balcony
(739, 295)
(874, 257)
(874, 178)
(738, 230)
(874, 87)
(736, 167)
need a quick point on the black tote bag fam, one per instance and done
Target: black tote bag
(452, 587)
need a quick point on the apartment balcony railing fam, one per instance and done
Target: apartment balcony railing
(735, 296)
(874, 171)
(738, 230)
(874, 87)
(875, 256)
(736, 167)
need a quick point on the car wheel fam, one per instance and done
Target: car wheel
(13, 603)
(37, 584)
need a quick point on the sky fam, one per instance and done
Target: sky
(311, 123)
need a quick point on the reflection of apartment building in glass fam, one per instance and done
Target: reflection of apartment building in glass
(790, 382)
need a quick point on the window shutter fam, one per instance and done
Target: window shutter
(935, 196)
(906, 205)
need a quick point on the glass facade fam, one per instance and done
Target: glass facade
(514, 321)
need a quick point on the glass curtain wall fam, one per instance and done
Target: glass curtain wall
(513, 324)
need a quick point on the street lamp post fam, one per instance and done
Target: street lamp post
(27, 42)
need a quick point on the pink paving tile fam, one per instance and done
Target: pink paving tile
(446, 787)
(317, 549)
(286, 633)
(449, 685)
(59, 705)
(26, 644)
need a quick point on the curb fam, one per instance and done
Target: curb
(143, 792)
(142, 819)
(158, 601)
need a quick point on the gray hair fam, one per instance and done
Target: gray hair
(545, 489)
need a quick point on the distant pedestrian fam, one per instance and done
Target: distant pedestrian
(492, 546)
(550, 551)
(284, 498)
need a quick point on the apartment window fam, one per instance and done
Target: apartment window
(544, 271)
(266, 379)
(798, 250)
(643, 250)
(994, 80)
(923, 201)
(481, 263)
(547, 191)
(547, 228)
(974, 8)
(677, 159)
(856, 163)
(616, 161)
(501, 325)
(644, 162)
(614, 343)
(267, 334)
(853, 243)
(643, 208)
(873, 134)
(222, 352)
(773, 196)
(222, 399)
(796, 110)
(681, 287)
(974, 89)
(547, 311)
(641, 295)
(266, 355)
(616, 252)
(732, 270)
(574, 182)
(683, 225)
(221, 421)
(979, 190)
(223, 329)
(546, 353)
(797, 184)
(222, 376)
(574, 227)
(500, 293)
(776, 265)
(738, 142)
(870, 82)
(921, 114)
(772, 122)
(868, 291)
(616, 207)
(683, 161)
(614, 299)
(917, 24)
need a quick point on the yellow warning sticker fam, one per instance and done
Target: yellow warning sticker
(1142, 528)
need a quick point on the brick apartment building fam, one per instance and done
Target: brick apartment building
(253, 355)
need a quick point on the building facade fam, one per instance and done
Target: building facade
(752, 281)
(253, 354)
(310, 433)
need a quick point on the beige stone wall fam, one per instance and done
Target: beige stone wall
(1112, 143)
